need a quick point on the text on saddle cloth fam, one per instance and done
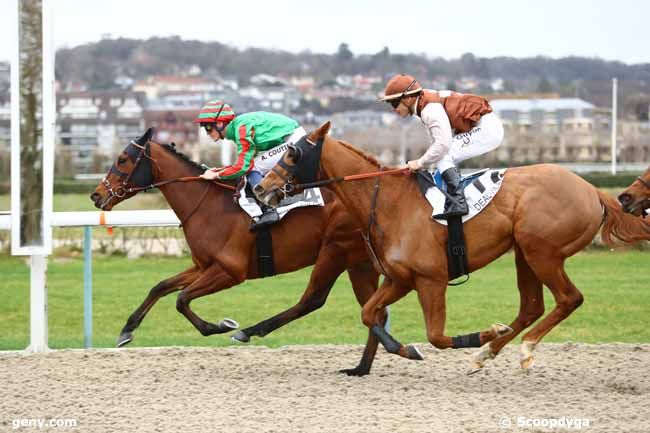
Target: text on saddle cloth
(479, 189)
(309, 197)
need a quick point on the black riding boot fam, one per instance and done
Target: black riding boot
(455, 205)
(268, 217)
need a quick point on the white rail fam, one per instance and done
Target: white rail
(128, 218)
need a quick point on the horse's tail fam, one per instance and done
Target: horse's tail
(623, 226)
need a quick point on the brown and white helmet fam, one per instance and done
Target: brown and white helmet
(399, 86)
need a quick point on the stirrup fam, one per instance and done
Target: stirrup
(266, 219)
(450, 213)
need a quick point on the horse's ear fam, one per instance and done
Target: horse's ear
(146, 136)
(320, 132)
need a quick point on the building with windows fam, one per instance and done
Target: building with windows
(92, 126)
(551, 130)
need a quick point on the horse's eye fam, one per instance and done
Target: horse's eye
(121, 160)
(294, 154)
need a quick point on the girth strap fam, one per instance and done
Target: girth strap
(265, 260)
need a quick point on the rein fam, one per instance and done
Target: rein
(180, 179)
(289, 187)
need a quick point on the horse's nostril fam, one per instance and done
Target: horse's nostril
(624, 198)
(94, 196)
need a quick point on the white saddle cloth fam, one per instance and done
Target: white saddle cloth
(309, 197)
(478, 194)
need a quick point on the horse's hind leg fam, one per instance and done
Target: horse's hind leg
(531, 308)
(161, 289)
(550, 271)
(373, 316)
(329, 265)
(211, 280)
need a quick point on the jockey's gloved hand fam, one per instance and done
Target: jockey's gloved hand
(414, 165)
(210, 174)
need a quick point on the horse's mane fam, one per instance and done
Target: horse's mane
(371, 159)
(186, 159)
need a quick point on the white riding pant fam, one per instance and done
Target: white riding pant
(487, 135)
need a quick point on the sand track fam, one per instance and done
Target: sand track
(298, 389)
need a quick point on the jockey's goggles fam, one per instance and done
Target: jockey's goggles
(210, 126)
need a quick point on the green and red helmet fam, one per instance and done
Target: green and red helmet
(215, 111)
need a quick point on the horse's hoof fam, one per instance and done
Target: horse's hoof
(414, 353)
(124, 339)
(526, 359)
(354, 371)
(473, 369)
(240, 336)
(527, 363)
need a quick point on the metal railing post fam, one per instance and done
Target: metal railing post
(88, 287)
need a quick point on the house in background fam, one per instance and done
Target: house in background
(92, 126)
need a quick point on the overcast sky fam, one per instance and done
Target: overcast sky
(612, 30)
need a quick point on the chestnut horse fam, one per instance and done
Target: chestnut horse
(636, 198)
(544, 212)
(223, 249)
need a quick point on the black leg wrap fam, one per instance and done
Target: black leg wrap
(391, 345)
(468, 340)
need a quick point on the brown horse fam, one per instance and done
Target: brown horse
(223, 249)
(636, 198)
(544, 212)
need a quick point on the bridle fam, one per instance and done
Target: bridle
(123, 188)
(288, 186)
(295, 171)
(145, 183)
(644, 182)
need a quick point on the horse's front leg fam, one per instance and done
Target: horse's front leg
(211, 280)
(161, 289)
(431, 294)
(364, 279)
(371, 315)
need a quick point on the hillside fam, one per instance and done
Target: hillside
(97, 65)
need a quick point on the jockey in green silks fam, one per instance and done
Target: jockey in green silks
(261, 139)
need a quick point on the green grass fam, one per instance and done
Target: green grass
(615, 285)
